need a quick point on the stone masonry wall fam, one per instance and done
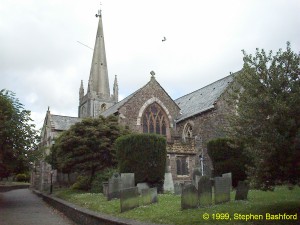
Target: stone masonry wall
(130, 110)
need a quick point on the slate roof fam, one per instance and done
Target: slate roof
(113, 109)
(63, 122)
(203, 99)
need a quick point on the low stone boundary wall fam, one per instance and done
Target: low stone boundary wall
(13, 187)
(84, 216)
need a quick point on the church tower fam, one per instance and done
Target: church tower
(97, 98)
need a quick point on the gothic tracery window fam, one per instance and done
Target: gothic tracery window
(154, 120)
(187, 132)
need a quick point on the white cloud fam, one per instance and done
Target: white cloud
(42, 62)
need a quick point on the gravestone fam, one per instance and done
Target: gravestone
(196, 172)
(189, 197)
(242, 191)
(222, 189)
(197, 178)
(129, 199)
(168, 183)
(114, 186)
(229, 175)
(142, 186)
(149, 196)
(178, 188)
(205, 191)
(127, 180)
(105, 188)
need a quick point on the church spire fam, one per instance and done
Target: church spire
(98, 81)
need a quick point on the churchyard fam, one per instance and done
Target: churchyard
(201, 205)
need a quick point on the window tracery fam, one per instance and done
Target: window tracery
(187, 132)
(154, 120)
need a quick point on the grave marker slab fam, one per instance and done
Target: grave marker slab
(229, 175)
(205, 191)
(129, 199)
(149, 196)
(196, 172)
(142, 186)
(222, 189)
(178, 188)
(189, 197)
(127, 180)
(168, 183)
(114, 186)
(242, 191)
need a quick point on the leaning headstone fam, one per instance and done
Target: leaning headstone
(129, 199)
(178, 188)
(242, 191)
(142, 186)
(127, 180)
(114, 187)
(189, 197)
(168, 183)
(229, 175)
(222, 189)
(149, 196)
(205, 191)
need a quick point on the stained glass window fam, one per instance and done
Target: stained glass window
(154, 120)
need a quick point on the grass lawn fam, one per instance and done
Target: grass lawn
(168, 210)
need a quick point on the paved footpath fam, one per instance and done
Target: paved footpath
(22, 207)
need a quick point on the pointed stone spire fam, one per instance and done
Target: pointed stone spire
(81, 90)
(116, 90)
(98, 81)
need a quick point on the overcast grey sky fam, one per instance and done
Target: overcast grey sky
(43, 63)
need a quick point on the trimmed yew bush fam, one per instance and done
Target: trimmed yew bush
(227, 157)
(144, 155)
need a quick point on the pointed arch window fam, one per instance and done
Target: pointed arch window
(187, 132)
(154, 120)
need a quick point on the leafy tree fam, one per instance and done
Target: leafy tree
(87, 147)
(267, 118)
(17, 136)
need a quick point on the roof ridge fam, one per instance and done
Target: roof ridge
(64, 116)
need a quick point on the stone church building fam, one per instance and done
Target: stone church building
(188, 122)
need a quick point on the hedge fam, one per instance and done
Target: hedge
(227, 157)
(144, 155)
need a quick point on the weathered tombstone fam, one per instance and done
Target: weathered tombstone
(222, 189)
(205, 191)
(105, 188)
(149, 196)
(127, 180)
(129, 199)
(189, 197)
(196, 172)
(114, 186)
(178, 188)
(197, 178)
(229, 175)
(242, 191)
(142, 186)
(168, 183)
